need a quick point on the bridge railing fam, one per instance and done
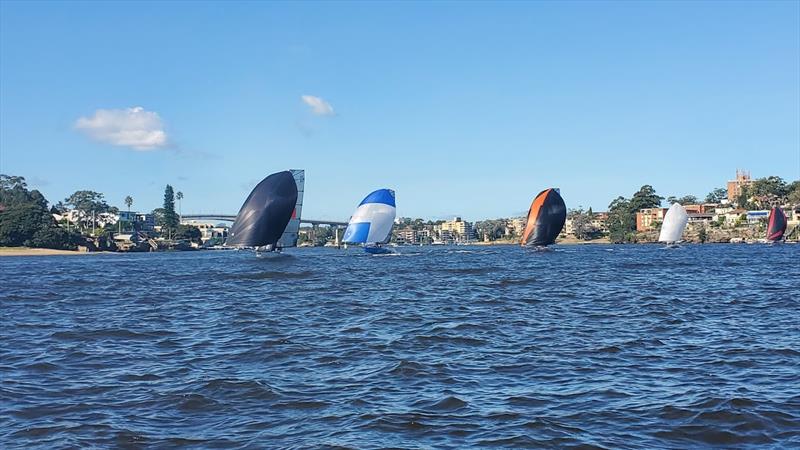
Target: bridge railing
(231, 218)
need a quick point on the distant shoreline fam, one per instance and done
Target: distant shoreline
(565, 241)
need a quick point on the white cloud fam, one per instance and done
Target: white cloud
(130, 127)
(318, 106)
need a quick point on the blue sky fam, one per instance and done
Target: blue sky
(463, 108)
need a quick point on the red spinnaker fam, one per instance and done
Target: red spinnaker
(776, 224)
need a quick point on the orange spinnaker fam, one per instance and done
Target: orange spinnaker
(532, 214)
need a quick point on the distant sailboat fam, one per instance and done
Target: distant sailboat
(776, 224)
(266, 213)
(372, 222)
(545, 219)
(674, 223)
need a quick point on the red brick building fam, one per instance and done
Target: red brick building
(735, 186)
(647, 218)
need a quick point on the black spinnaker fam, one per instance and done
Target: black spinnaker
(545, 219)
(265, 213)
(776, 225)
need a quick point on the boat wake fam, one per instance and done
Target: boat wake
(271, 256)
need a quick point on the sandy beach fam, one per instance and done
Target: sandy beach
(26, 251)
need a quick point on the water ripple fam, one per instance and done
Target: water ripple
(585, 347)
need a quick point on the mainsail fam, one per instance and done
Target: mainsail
(545, 219)
(266, 212)
(776, 224)
(674, 223)
(289, 237)
(373, 219)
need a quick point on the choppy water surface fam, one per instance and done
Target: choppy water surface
(597, 346)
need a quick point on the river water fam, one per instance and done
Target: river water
(436, 347)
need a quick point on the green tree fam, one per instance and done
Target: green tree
(769, 191)
(179, 196)
(55, 237)
(158, 217)
(702, 235)
(25, 218)
(21, 221)
(323, 234)
(188, 232)
(645, 197)
(717, 195)
(743, 199)
(793, 195)
(14, 191)
(685, 200)
(621, 221)
(59, 208)
(493, 228)
(88, 203)
(582, 226)
(12, 183)
(128, 203)
(774, 186)
(581, 221)
(622, 213)
(24, 212)
(170, 219)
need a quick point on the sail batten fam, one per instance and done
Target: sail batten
(373, 219)
(674, 223)
(546, 219)
(265, 214)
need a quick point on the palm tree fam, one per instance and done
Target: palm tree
(129, 202)
(179, 196)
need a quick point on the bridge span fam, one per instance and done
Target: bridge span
(232, 217)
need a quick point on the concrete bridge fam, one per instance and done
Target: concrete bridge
(232, 217)
(337, 226)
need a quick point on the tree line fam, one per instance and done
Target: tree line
(27, 220)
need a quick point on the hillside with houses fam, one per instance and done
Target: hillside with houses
(736, 213)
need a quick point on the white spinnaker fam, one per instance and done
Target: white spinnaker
(674, 223)
(380, 217)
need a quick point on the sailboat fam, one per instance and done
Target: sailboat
(266, 213)
(674, 223)
(371, 223)
(776, 225)
(546, 219)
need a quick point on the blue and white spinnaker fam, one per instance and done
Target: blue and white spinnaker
(372, 222)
